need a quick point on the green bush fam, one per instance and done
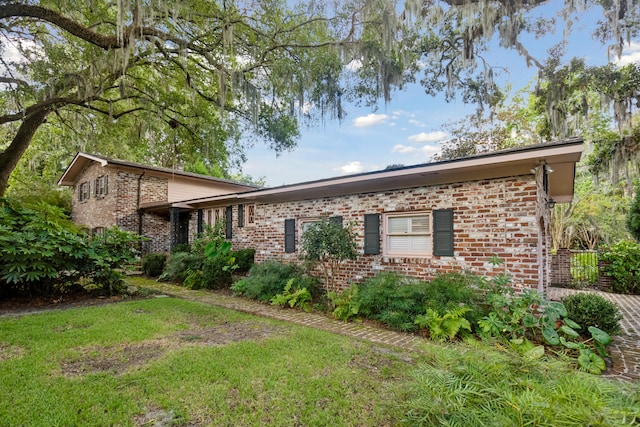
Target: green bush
(392, 300)
(181, 247)
(589, 309)
(451, 290)
(153, 264)
(41, 251)
(623, 266)
(180, 264)
(216, 272)
(268, 279)
(244, 259)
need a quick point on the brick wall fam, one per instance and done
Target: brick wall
(119, 205)
(491, 217)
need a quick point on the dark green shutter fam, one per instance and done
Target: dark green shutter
(443, 232)
(106, 185)
(336, 220)
(200, 221)
(240, 215)
(372, 234)
(228, 223)
(289, 235)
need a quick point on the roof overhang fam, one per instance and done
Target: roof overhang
(561, 157)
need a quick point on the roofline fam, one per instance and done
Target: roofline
(566, 145)
(104, 161)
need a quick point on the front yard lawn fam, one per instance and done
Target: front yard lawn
(166, 361)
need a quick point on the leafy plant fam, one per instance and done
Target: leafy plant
(244, 258)
(329, 243)
(41, 251)
(392, 300)
(633, 216)
(269, 278)
(180, 264)
(622, 264)
(445, 326)
(346, 304)
(521, 318)
(153, 264)
(589, 309)
(293, 297)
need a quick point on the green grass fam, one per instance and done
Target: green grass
(113, 364)
(177, 362)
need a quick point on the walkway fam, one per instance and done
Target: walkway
(625, 350)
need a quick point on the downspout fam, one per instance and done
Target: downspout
(140, 212)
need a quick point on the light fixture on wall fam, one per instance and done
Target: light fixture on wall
(548, 168)
(551, 203)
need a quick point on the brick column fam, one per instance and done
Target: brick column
(561, 267)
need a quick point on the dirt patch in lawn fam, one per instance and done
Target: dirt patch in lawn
(121, 358)
(8, 351)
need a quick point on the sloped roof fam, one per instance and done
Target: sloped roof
(81, 160)
(560, 156)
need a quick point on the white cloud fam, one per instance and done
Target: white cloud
(416, 123)
(403, 149)
(430, 150)
(428, 137)
(427, 150)
(630, 55)
(369, 120)
(351, 167)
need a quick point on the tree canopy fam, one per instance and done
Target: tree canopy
(195, 81)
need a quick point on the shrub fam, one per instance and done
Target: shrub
(244, 259)
(180, 264)
(153, 264)
(623, 266)
(392, 300)
(589, 309)
(41, 251)
(268, 279)
(293, 296)
(216, 272)
(451, 290)
(329, 243)
(181, 247)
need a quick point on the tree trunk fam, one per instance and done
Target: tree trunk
(10, 157)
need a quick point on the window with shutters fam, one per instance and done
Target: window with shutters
(101, 186)
(407, 234)
(84, 191)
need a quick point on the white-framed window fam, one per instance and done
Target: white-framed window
(305, 223)
(407, 234)
(84, 191)
(101, 186)
(250, 215)
(213, 215)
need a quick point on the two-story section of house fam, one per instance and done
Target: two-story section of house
(138, 198)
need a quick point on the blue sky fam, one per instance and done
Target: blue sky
(409, 129)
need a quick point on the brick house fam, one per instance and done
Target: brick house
(135, 197)
(418, 220)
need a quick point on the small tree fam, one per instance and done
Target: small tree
(633, 217)
(329, 243)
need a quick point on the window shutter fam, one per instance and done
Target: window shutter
(372, 234)
(96, 186)
(228, 223)
(289, 235)
(240, 215)
(106, 185)
(443, 232)
(336, 220)
(200, 221)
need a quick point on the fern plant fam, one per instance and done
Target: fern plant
(446, 326)
(299, 297)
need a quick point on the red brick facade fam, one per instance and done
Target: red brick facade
(491, 218)
(119, 206)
